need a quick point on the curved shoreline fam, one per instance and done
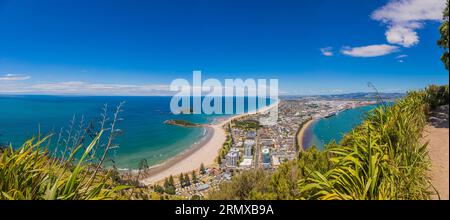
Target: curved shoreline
(301, 134)
(308, 124)
(205, 151)
(159, 171)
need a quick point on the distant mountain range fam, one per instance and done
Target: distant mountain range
(352, 96)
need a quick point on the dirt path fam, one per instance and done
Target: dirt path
(437, 133)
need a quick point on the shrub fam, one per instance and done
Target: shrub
(170, 190)
(382, 159)
(28, 173)
(252, 184)
(437, 95)
(159, 189)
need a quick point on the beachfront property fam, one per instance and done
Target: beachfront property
(150, 102)
(254, 146)
(266, 147)
(269, 146)
(232, 157)
(248, 148)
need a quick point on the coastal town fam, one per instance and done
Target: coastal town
(250, 145)
(239, 104)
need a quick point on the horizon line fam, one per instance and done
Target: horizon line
(166, 95)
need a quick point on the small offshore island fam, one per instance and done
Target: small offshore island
(274, 110)
(182, 123)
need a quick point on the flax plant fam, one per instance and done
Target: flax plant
(33, 172)
(381, 159)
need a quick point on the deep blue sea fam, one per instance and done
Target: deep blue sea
(145, 136)
(325, 130)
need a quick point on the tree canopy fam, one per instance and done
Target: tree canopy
(443, 41)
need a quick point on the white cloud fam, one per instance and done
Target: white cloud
(336, 91)
(401, 57)
(403, 36)
(403, 11)
(86, 88)
(369, 51)
(83, 88)
(100, 89)
(14, 77)
(327, 51)
(404, 17)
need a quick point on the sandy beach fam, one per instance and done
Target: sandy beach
(302, 133)
(205, 151)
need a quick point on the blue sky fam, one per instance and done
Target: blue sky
(138, 47)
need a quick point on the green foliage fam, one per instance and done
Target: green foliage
(202, 169)
(28, 173)
(225, 149)
(443, 41)
(183, 123)
(282, 184)
(381, 159)
(194, 177)
(171, 181)
(437, 95)
(170, 190)
(73, 170)
(252, 184)
(187, 181)
(184, 180)
(247, 125)
(181, 179)
(196, 197)
(284, 180)
(169, 186)
(166, 183)
(159, 189)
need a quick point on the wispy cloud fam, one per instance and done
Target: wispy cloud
(337, 91)
(98, 89)
(369, 51)
(14, 77)
(327, 51)
(75, 87)
(83, 88)
(401, 58)
(404, 17)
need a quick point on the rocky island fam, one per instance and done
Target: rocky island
(182, 123)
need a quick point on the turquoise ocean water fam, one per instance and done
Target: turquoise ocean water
(145, 136)
(325, 130)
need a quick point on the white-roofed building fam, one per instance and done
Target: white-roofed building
(246, 163)
(232, 158)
